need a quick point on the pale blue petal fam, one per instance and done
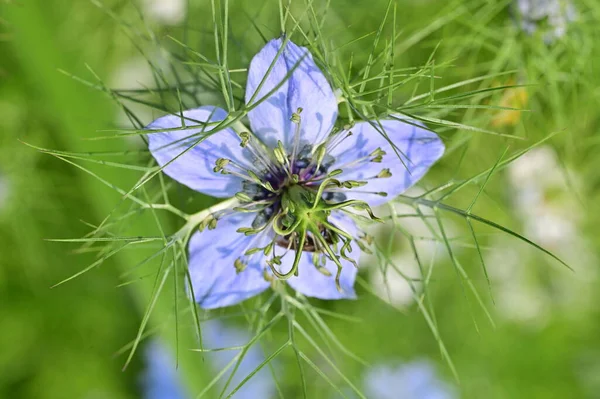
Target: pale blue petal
(306, 88)
(313, 283)
(211, 264)
(194, 168)
(161, 379)
(417, 149)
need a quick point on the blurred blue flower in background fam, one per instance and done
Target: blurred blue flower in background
(413, 380)
(4, 191)
(161, 380)
(294, 180)
(555, 13)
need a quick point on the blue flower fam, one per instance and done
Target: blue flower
(297, 180)
(415, 380)
(161, 380)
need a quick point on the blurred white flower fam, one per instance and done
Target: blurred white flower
(133, 74)
(542, 200)
(556, 14)
(413, 380)
(544, 203)
(391, 282)
(168, 12)
(161, 379)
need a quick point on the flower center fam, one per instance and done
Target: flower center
(292, 192)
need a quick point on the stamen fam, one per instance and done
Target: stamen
(267, 185)
(385, 173)
(243, 197)
(220, 164)
(239, 265)
(375, 156)
(336, 140)
(353, 183)
(249, 251)
(260, 153)
(296, 119)
(280, 154)
(210, 221)
(379, 193)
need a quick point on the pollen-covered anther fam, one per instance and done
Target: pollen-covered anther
(253, 251)
(280, 154)
(268, 277)
(353, 183)
(243, 197)
(245, 137)
(210, 221)
(220, 165)
(385, 173)
(377, 155)
(320, 153)
(266, 184)
(249, 231)
(239, 265)
(296, 116)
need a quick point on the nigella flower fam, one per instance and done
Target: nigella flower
(298, 181)
(556, 14)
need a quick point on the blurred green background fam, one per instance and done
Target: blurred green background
(62, 342)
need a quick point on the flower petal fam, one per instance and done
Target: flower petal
(215, 280)
(194, 168)
(313, 283)
(296, 82)
(416, 149)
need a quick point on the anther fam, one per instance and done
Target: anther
(220, 164)
(239, 265)
(377, 155)
(252, 251)
(353, 183)
(243, 197)
(384, 174)
(245, 136)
